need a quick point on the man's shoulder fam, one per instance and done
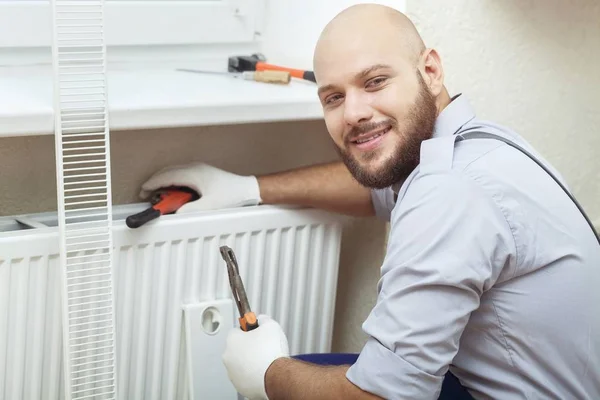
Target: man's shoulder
(455, 170)
(472, 156)
(477, 165)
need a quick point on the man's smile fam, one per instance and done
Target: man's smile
(370, 140)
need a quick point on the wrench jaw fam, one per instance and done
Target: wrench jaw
(156, 197)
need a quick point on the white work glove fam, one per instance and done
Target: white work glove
(217, 188)
(248, 355)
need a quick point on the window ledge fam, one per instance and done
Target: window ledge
(156, 98)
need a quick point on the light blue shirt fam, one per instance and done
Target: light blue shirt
(490, 271)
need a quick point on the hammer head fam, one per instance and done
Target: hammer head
(244, 63)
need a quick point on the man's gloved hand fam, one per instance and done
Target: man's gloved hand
(217, 188)
(248, 355)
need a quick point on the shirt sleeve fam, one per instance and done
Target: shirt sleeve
(448, 243)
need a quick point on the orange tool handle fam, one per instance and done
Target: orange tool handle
(248, 322)
(296, 73)
(172, 200)
(167, 201)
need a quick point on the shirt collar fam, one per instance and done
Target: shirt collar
(454, 116)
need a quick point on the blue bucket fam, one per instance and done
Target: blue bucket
(451, 387)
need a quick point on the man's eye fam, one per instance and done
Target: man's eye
(376, 81)
(332, 99)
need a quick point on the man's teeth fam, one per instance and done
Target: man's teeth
(364, 140)
(359, 141)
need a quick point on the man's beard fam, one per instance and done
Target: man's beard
(420, 125)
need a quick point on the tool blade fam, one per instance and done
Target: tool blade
(200, 71)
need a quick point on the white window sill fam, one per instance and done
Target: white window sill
(156, 98)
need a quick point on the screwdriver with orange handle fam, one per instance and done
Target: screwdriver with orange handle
(164, 201)
(247, 319)
(257, 76)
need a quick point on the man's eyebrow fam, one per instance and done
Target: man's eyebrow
(371, 69)
(324, 89)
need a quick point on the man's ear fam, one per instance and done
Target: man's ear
(432, 71)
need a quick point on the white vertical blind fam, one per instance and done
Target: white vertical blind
(84, 198)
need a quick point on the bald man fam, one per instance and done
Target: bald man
(491, 271)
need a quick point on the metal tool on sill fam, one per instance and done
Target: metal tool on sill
(248, 320)
(283, 77)
(164, 201)
(257, 62)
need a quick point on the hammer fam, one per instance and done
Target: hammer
(257, 62)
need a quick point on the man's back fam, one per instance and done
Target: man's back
(536, 331)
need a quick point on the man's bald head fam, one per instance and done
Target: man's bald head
(372, 22)
(380, 88)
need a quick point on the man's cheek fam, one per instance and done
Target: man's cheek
(337, 135)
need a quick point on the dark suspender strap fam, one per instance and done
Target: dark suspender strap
(485, 135)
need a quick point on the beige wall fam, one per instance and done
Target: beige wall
(527, 64)
(532, 65)
(29, 183)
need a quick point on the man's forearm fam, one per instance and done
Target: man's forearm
(292, 379)
(326, 186)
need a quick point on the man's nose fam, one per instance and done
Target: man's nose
(356, 109)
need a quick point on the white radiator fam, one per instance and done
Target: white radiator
(288, 260)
